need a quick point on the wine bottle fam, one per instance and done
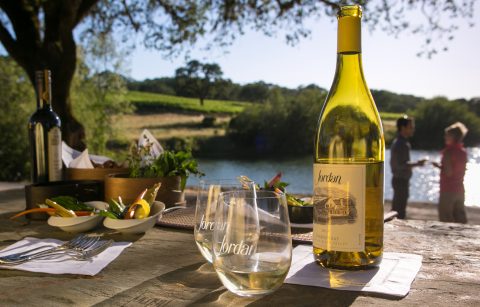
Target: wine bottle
(44, 134)
(348, 161)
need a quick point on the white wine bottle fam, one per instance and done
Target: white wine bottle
(348, 162)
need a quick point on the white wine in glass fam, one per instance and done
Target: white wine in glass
(253, 248)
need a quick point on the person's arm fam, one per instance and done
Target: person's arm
(446, 165)
(417, 163)
(400, 158)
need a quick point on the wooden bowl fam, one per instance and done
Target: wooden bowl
(170, 192)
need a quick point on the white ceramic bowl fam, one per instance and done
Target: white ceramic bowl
(133, 226)
(80, 223)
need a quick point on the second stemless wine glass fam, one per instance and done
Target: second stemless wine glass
(207, 198)
(252, 243)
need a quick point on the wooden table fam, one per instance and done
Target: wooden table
(164, 268)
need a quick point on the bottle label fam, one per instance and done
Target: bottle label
(39, 145)
(339, 207)
(54, 154)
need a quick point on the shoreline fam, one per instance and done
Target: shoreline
(429, 211)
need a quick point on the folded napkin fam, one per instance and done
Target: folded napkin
(69, 154)
(394, 276)
(82, 161)
(62, 264)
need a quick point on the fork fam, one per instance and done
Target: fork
(76, 254)
(88, 254)
(67, 244)
(79, 246)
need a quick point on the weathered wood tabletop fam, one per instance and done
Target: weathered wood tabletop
(164, 268)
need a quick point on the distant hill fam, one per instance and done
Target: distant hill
(258, 92)
(152, 102)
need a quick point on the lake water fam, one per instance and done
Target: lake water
(424, 185)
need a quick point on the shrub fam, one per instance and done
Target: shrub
(208, 121)
(17, 102)
(281, 125)
(433, 116)
(97, 99)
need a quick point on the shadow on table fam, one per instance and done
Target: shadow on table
(179, 287)
(198, 284)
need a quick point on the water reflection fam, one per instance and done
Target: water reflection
(425, 182)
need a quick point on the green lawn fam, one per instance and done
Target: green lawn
(144, 99)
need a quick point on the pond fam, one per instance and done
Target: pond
(424, 185)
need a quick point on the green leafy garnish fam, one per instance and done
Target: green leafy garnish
(71, 203)
(169, 163)
(293, 201)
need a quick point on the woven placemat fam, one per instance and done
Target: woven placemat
(185, 219)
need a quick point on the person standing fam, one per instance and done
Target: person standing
(401, 164)
(451, 207)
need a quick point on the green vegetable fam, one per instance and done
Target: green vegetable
(115, 208)
(61, 211)
(151, 194)
(293, 201)
(71, 203)
(109, 214)
(278, 185)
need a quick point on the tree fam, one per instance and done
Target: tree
(197, 79)
(99, 92)
(256, 92)
(434, 115)
(17, 103)
(39, 34)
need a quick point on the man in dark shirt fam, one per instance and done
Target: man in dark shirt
(401, 164)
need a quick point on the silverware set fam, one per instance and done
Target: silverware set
(81, 248)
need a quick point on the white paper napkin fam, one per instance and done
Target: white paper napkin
(69, 154)
(82, 161)
(63, 264)
(394, 276)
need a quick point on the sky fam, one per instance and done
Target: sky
(389, 63)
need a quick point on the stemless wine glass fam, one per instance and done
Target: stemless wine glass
(207, 198)
(252, 243)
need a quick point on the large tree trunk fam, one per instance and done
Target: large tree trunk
(62, 63)
(55, 49)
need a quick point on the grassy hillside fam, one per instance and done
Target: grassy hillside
(153, 100)
(164, 116)
(144, 100)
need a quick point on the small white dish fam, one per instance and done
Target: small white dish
(135, 226)
(80, 223)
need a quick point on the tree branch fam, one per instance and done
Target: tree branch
(7, 41)
(24, 19)
(83, 10)
(135, 24)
